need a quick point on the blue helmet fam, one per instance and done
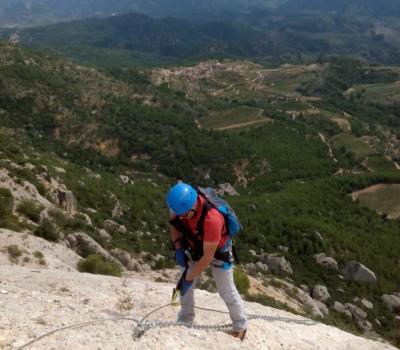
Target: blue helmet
(181, 198)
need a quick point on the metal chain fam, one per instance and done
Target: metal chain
(144, 325)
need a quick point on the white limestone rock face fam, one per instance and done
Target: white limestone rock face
(36, 252)
(39, 301)
(23, 191)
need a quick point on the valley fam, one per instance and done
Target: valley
(294, 120)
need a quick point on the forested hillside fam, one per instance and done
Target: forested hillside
(295, 141)
(40, 12)
(133, 38)
(384, 8)
(22, 13)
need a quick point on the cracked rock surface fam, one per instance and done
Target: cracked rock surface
(36, 301)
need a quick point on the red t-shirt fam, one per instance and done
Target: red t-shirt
(214, 224)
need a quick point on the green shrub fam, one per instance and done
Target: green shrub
(69, 224)
(75, 224)
(13, 253)
(241, 280)
(59, 217)
(86, 250)
(30, 209)
(48, 231)
(97, 264)
(7, 219)
(394, 336)
(38, 254)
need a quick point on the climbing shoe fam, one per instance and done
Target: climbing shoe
(238, 334)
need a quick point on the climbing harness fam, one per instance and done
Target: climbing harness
(145, 325)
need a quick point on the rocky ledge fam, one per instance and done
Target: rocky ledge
(36, 301)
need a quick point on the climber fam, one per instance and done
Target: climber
(200, 239)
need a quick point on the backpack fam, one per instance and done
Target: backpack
(232, 222)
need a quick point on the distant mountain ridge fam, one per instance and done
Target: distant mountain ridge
(263, 36)
(169, 37)
(41, 12)
(22, 13)
(344, 7)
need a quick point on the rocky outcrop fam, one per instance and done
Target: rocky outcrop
(22, 191)
(66, 200)
(309, 302)
(104, 235)
(356, 312)
(326, 261)
(355, 271)
(61, 196)
(83, 244)
(364, 303)
(87, 219)
(125, 258)
(226, 189)
(277, 264)
(263, 267)
(36, 252)
(392, 301)
(125, 179)
(322, 307)
(320, 293)
(117, 210)
(111, 225)
(339, 307)
(122, 229)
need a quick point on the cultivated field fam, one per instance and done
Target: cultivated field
(229, 118)
(383, 198)
(351, 144)
(381, 93)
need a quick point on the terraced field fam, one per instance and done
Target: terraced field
(234, 117)
(381, 93)
(352, 144)
(380, 163)
(235, 79)
(383, 198)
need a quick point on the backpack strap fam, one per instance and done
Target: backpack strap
(206, 207)
(189, 240)
(235, 256)
(200, 224)
(195, 241)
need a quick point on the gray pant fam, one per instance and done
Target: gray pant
(227, 290)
